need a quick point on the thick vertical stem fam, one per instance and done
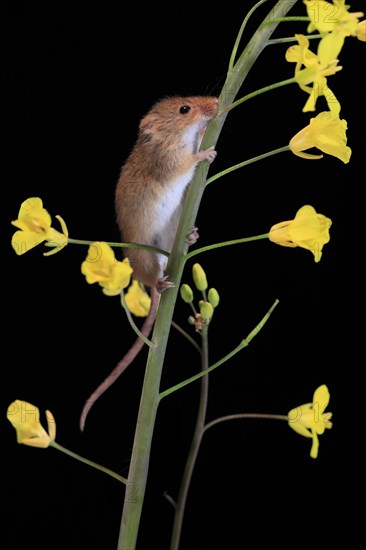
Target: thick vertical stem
(137, 477)
(193, 452)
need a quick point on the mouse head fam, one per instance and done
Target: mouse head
(174, 115)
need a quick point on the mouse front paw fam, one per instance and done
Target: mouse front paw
(163, 284)
(208, 154)
(193, 236)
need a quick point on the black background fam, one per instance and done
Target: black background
(77, 81)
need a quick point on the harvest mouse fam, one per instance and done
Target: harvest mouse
(152, 184)
(149, 197)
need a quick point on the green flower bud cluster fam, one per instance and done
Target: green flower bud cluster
(206, 305)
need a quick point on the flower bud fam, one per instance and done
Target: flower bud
(206, 310)
(213, 297)
(199, 277)
(186, 293)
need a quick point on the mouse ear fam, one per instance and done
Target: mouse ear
(146, 125)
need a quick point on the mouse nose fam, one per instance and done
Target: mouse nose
(210, 106)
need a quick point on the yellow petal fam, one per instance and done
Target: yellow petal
(100, 256)
(39, 442)
(307, 76)
(330, 46)
(310, 104)
(333, 140)
(297, 53)
(361, 31)
(102, 267)
(56, 240)
(310, 230)
(321, 397)
(63, 225)
(33, 216)
(34, 206)
(35, 225)
(326, 419)
(22, 241)
(315, 446)
(294, 54)
(25, 419)
(308, 156)
(296, 420)
(137, 299)
(279, 234)
(332, 102)
(321, 15)
(51, 423)
(327, 133)
(119, 278)
(98, 263)
(309, 420)
(308, 224)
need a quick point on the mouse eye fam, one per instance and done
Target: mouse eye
(184, 109)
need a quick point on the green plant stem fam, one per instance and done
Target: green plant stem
(243, 344)
(225, 243)
(260, 91)
(194, 449)
(199, 431)
(150, 395)
(240, 33)
(283, 40)
(289, 19)
(240, 416)
(88, 462)
(132, 323)
(119, 245)
(187, 336)
(149, 401)
(246, 163)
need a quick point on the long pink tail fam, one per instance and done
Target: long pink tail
(125, 361)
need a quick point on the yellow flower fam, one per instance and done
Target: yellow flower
(310, 420)
(137, 299)
(334, 22)
(327, 133)
(361, 30)
(34, 223)
(308, 230)
(314, 72)
(25, 419)
(101, 266)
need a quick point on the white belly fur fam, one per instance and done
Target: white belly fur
(171, 200)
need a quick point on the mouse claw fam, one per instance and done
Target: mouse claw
(164, 284)
(193, 236)
(208, 154)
